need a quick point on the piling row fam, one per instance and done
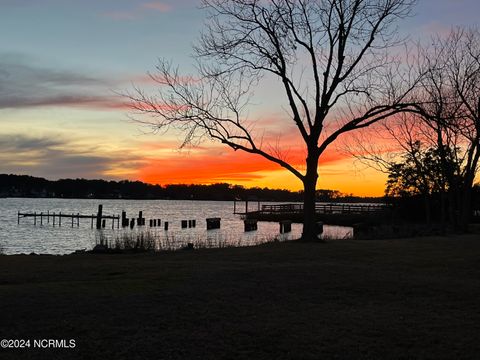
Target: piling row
(100, 219)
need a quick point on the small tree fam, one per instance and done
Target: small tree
(448, 102)
(330, 58)
(421, 172)
(445, 120)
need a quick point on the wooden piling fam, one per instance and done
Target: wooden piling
(99, 216)
(165, 225)
(319, 227)
(285, 226)
(184, 224)
(124, 219)
(213, 223)
(250, 225)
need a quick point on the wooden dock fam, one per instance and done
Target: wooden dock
(41, 218)
(55, 219)
(331, 208)
(294, 211)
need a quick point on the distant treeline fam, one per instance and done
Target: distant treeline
(29, 186)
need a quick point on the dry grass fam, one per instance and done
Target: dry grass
(390, 299)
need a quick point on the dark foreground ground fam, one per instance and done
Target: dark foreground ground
(395, 299)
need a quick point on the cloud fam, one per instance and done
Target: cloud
(139, 12)
(159, 6)
(24, 84)
(54, 157)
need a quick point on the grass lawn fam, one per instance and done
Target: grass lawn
(384, 299)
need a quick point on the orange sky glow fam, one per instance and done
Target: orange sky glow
(61, 115)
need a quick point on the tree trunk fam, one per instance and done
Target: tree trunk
(465, 205)
(309, 217)
(428, 212)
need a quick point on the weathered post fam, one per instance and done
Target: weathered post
(165, 225)
(250, 224)
(124, 219)
(35, 218)
(285, 226)
(72, 220)
(132, 223)
(99, 216)
(213, 223)
(184, 224)
(41, 219)
(60, 218)
(140, 219)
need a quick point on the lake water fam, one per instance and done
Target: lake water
(47, 239)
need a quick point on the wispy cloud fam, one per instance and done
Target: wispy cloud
(159, 6)
(24, 84)
(54, 156)
(139, 11)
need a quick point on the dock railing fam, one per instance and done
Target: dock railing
(331, 208)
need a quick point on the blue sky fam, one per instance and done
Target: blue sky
(61, 60)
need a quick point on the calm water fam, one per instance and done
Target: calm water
(46, 239)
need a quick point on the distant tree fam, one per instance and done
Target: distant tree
(419, 173)
(445, 121)
(449, 103)
(330, 57)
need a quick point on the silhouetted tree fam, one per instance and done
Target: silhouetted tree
(445, 120)
(451, 107)
(421, 173)
(330, 57)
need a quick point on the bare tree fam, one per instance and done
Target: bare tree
(451, 107)
(330, 58)
(445, 117)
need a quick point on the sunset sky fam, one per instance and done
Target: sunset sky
(62, 63)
